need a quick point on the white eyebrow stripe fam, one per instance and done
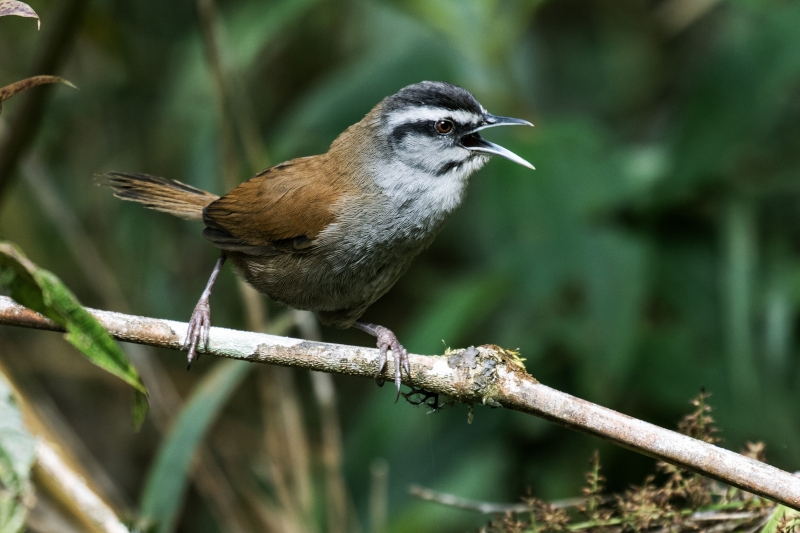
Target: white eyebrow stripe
(417, 114)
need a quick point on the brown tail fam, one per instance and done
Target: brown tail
(161, 194)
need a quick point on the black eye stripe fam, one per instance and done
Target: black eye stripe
(426, 127)
(420, 127)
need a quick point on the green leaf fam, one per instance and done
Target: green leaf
(17, 452)
(164, 490)
(43, 292)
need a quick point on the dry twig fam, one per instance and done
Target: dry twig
(452, 500)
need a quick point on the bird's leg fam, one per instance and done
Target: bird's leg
(200, 323)
(388, 341)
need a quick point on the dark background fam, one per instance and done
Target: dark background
(652, 253)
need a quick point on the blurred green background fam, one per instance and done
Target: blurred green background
(655, 250)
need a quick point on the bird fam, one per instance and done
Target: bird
(332, 233)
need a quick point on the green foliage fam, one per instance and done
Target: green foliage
(40, 290)
(17, 453)
(165, 488)
(653, 251)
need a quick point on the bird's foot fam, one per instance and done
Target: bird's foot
(199, 328)
(387, 340)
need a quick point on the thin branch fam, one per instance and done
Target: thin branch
(487, 375)
(452, 500)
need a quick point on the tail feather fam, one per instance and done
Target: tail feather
(161, 194)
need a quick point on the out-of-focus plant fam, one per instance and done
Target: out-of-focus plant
(164, 491)
(675, 500)
(654, 250)
(17, 453)
(40, 290)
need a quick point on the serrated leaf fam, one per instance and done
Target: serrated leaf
(19, 9)
(165, 487)
(17, 453)
(23, 85)
(42, 291)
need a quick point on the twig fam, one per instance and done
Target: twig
(730, 520)
(452, 500)
(491, 377)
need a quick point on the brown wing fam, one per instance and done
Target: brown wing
(282, 208)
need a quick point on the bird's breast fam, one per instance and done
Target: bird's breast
(370, 244)
(381, 226)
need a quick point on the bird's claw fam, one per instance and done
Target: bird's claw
(387, 340)
(197, 334)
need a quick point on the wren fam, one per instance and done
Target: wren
(332, 233)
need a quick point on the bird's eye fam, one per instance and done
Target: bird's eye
(444, 126)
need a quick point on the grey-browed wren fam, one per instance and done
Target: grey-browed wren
(331, 233)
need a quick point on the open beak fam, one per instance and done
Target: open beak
(475, 143)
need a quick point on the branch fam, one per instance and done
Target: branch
(487, 375)
(482, 507)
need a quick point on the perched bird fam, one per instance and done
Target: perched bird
(332, 233)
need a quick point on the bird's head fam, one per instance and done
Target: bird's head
(434, 127)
